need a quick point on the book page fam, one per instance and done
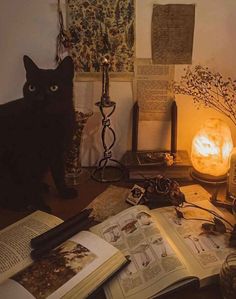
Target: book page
(95, 253)
(154, 264)
(15, 241)
(195, 193)
(204, 253)
(57, 273)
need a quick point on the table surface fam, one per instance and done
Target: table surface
(86, 193)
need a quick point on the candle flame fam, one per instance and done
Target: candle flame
(105, 60)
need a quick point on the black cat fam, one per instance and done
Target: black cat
(35, 132)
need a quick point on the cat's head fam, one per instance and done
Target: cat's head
(50, 90)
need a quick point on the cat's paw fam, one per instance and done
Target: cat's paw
(68, 193)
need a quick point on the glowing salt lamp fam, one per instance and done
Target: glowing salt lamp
(211, 148)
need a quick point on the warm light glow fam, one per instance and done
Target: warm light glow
(211, 148)
(204, 146)
(105, 60)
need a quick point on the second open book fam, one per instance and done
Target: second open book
(165, 252)
(72, 270)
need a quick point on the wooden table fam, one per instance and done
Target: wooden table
(86, 193)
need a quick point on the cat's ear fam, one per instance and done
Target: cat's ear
(30, 66)
(66, 68)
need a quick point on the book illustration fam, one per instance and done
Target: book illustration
(195, 238)
(150, 260)
(144, 218)
(129, 270)
(129, 230)
(147, 264)
(209, 249)
(160, 242)
(129, 283)
(129, 278)
(198, 242)
(151, 255)
(74, 269)
(213, 242)
(129, 226)
(142, 255)
(52, 271)
(112, 233)
(195, 242)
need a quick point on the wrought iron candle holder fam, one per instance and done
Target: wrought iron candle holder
(108, 169)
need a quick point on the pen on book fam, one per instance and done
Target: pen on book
(42, 239)
(60, 238)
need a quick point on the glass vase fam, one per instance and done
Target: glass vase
(74, 173)
(228, 277)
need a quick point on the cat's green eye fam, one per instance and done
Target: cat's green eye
(32, 88)
(53, 88)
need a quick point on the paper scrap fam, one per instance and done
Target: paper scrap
(172, 33)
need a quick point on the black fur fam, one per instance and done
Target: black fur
(35, 132)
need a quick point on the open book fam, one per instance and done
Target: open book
(72, 270)
(165, 252)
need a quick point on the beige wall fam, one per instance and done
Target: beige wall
(30, 27)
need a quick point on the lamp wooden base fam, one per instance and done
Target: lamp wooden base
(207, 178)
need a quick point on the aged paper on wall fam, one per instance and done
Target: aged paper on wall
(152, 89)
(172, 33)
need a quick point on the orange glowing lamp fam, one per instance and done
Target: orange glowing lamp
(211, 148)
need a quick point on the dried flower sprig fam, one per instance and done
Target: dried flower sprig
(209, 89)
(163, 190)
(212, 212)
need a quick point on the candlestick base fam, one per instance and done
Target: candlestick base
(108, 173)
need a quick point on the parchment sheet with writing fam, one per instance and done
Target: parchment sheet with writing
(152, 89)
(172, 33)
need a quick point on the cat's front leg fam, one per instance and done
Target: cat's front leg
(58, 174)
